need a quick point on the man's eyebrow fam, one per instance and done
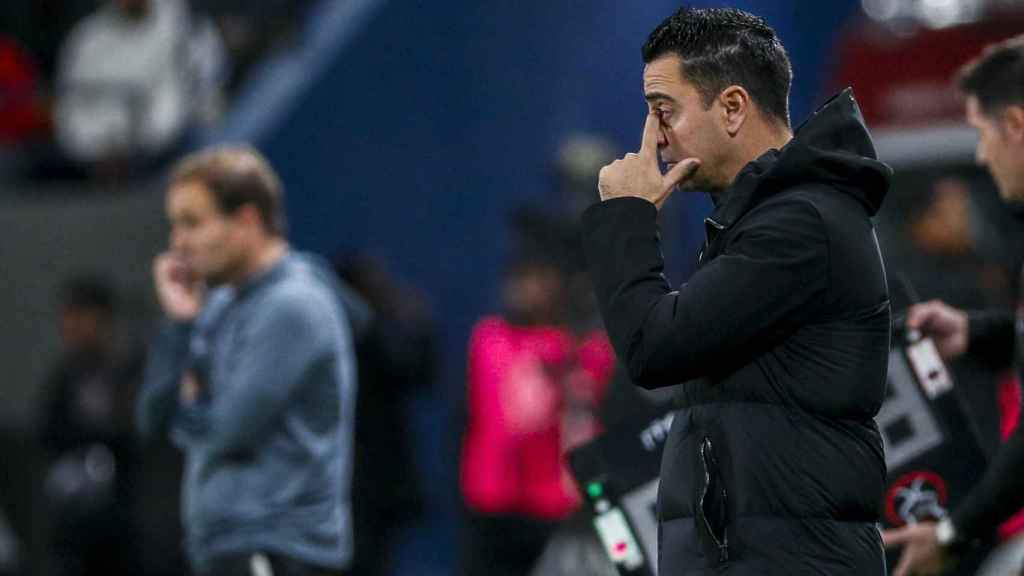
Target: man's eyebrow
(655, 96)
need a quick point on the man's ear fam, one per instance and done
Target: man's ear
(1013, 123)
(736, 106)
(250, 215)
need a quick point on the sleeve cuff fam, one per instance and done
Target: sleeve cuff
(990, 334)
(640, 207)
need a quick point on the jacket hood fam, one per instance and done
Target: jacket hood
(832, 148)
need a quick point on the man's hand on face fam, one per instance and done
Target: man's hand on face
(179, 292)
(638, 175)
(922, 554)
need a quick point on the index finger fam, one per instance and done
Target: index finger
(649, 144)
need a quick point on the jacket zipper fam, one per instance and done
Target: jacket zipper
(723, 545)
(708, 224)
(714, 224)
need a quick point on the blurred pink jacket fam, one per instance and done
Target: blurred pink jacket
(526, 387)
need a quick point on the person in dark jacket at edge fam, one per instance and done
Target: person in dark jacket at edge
(774, 464)
(994, 88)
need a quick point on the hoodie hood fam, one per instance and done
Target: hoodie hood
(831, 148)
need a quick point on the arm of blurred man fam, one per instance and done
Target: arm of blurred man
(991, 335)
(285, 344)
(181, 297)
(165, 369)
(987, 333)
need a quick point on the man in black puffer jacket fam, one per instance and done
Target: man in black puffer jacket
(781, 338)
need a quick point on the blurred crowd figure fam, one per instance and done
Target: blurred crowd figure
(397, 357)
(87, 433)
(105, 89)
(112, 89)
(949, 221)
(534, 392)
(132, 78)
(538, 375)
(20, 107)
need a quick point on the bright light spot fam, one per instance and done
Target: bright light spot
(881, 10)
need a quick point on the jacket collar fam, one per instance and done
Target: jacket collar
(832, 147)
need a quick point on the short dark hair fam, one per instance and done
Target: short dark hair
(236, 176)
(720, 47)
(88, 292)
(996, 77)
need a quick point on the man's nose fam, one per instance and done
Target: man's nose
(177, 240)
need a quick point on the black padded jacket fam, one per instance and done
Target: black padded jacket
(780, 339)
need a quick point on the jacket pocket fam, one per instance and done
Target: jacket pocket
(712, 515)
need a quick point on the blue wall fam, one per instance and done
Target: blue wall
(442, 116)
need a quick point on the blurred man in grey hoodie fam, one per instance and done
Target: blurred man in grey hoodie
(252, 374)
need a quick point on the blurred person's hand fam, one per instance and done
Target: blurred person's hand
(922, 554)
(638, 175)
(188, 388)
(180, 293)
(946, 325)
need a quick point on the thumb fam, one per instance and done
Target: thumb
(680, 172)
(919, 314)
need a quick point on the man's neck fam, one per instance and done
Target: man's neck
(266, 257)
(766, 138)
